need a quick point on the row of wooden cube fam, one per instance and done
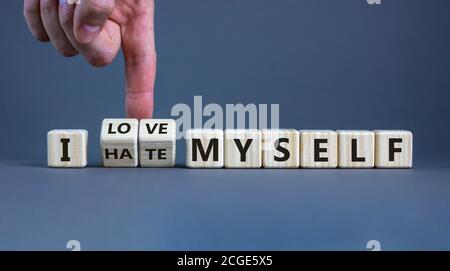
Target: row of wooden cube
(152, 143)
(124, 143)
(294, 149)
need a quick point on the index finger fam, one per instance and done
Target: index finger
(138, 45)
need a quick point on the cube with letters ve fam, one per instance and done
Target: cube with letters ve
(157, 141)
(204, 148)
(67, 148)
(393, 149)
(119, 142)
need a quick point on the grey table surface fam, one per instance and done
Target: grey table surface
(223, 209)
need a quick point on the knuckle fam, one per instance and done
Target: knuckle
(29, 9)
(47, 7)
(101, 6)
(65, 22)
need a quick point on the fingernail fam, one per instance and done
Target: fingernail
(91, 28)
(87, 33)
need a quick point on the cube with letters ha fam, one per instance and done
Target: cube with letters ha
(119, 142)
(157, 142)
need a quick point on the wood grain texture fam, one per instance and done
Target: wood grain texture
(157, 142)
(356, 149)
(393, 149)
(243, 148)
(204, 148)
(119, 142)
(281, 148)
(67, 148)
(318, 149)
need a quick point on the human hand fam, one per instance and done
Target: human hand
(97, 29)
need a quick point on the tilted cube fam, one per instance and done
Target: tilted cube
(157, 142)
(119, 142)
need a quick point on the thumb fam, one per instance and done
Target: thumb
(90, 17)
(138, 44)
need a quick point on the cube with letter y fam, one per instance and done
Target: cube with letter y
(393, 149)
(318, 149)
(204, 148)
(243, 148)
(119, 142)
(67, 148)
(157, 141)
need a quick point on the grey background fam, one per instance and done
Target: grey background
(329, 64)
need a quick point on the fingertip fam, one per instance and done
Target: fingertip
(139, 105)
(41, 36)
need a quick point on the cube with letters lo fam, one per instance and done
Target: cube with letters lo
(393, 149)
(281, 148)
(356, 149)
(204, 148)
(67, 148)
(318, 149)
(243, 148)
(119, 142)
(157, 140)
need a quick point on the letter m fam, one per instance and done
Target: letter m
(197, 147)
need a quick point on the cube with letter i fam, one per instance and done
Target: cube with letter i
(67, 148)
(157, 141)
(318, 149)
(393, 149)
(119, 142)
(204, 148)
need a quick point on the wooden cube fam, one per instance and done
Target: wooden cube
(157, 141)
(318, 149)
(204, 148)
(393, 149)
(356, 149)
(281, 148)
(119, 142)
(243, 148)
(67, 148)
